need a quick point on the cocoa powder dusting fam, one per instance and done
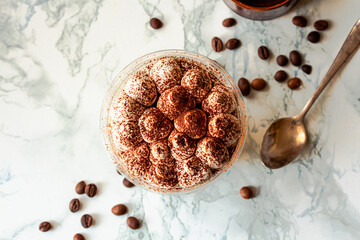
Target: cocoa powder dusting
(144, 135)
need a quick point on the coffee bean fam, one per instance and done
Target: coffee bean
(133, 222)
(313, 37)
(263, 52)
(119, 209)
(80, 187)
(321, 25)
(45, 226)
(78, 236)
(294, 83)
(246, 192)
(299, 21)
(127, 183)
(280, 76)
(232, 43)
(258, 84)
(306, 68)
(217, 44)
(74, 205)
(86, 220)
(295, 58)
(118, 172)
(282, 60)
(91, 190)
(244, 86)
(229, 22)
(155, 23)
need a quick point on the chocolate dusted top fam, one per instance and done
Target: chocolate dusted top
(192, 122)
(125, 135)
(212, 152)
(124, 107)
(175, 101)
(192, 171)
(141, 88)
(168, 161)
(163, 176)
(166, 73)
(137, 160)
(181, 145)
(160, 149)
(220, 99)
(154, 125)
(225, 127)
(160, 153)
(197, 83)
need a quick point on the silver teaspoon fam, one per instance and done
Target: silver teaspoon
(287, 137)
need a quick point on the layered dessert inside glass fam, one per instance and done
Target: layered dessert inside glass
(174, 124)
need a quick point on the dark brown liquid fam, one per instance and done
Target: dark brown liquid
(260, 3)
(260, 9)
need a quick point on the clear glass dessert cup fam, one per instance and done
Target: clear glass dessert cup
(143, 61)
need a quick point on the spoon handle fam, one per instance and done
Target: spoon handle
(350, 45)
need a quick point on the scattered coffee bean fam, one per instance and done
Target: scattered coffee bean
(232, 43)
(91, 190)
(313, 37)
(119, 209)
(229, 22)
(118, 172)
(258, 84)
(280, 76)
(294, 83)
(217, 44)
(246, 192)
(74, 205)
(295, 58)
(79, 236)
(282, 60)
(263, 52)
(127, 183)
(155, 23)
(45, 226)
(244, 86)
(86, 220)
(321, 25)
(133, 222)
(306, 68)
(299, 21)
(80, 187)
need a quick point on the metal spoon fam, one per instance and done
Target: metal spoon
(286, 137)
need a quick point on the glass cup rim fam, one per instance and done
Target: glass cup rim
(131, 68)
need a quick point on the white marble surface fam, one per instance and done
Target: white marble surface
(57, 58)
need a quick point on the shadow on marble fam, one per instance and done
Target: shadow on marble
(96, 219)
(254, 190)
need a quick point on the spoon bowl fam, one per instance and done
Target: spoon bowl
(283, 142)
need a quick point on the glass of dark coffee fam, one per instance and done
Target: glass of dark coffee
(260, 9)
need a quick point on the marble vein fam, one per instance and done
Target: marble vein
(57, 59)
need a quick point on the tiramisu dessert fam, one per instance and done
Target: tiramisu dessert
(174, 124)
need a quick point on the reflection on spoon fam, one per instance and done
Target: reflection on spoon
(288, 133)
